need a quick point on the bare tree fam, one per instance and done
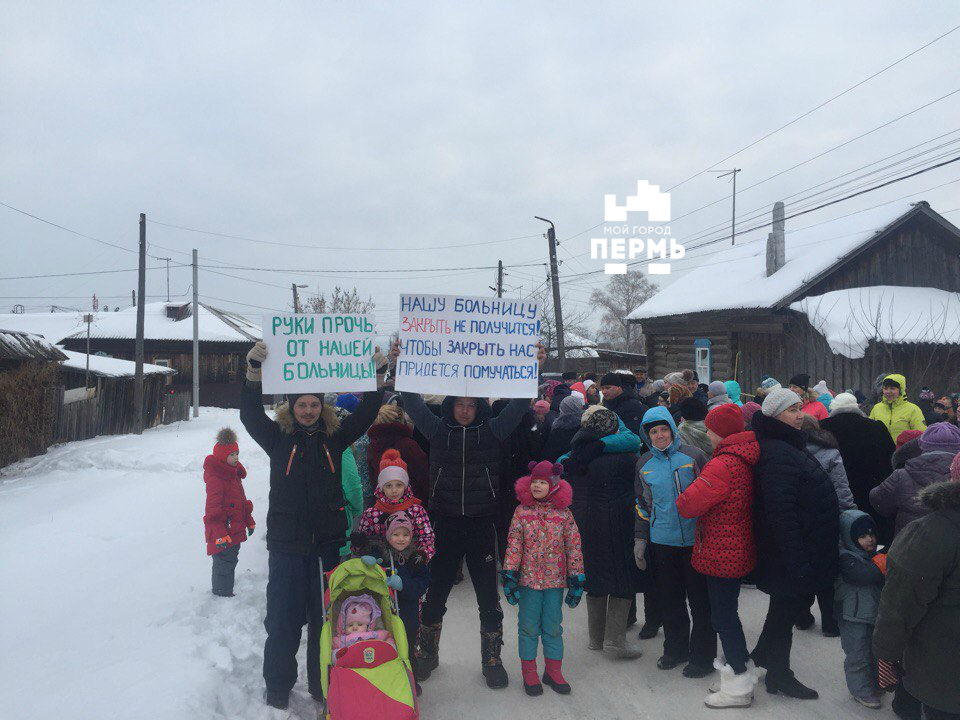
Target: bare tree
(575, 321)
(621, 297)
(341, 301)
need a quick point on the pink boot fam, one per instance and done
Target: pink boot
(553, 677)
(531, 683)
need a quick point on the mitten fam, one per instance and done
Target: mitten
(255, 357)
(511, 586)
(880, 560)
(369, 560)
(575, 585)
(250, 530)
(394, 582)
(223, 542)
(639, 553)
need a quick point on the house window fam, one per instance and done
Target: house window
(703, 360)
(162, 362)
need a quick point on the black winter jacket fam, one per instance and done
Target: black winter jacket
(866, 447)
(628, 408)
(306, 509)
(465, 461)
(604, 506)
(796, 513)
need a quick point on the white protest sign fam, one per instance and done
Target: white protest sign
(468, 346)
(318, 353)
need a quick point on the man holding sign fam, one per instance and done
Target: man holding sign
(303, 356)
(465, 451)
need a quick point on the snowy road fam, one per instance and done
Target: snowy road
(106, 612)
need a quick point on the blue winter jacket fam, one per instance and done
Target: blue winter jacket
(662, 475)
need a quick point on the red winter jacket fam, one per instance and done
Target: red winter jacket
(815, 408)
(722, 498)
(228, 511)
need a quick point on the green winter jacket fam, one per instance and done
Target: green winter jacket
(352, 493)
(919, 618)
(860, 582)
(901, 414)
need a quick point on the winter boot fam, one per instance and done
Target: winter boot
(615, 643)
(554, 678)
(757, 672)
(735, 690)
(695, 671)
(669, 662)
(805, 621)
(868, 701)
(277, 698)
(427, 657)
(649, 631)
(596, 620)
(490, 643)
(790, 686)
(531, 682)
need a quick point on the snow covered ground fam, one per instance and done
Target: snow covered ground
(106, 611)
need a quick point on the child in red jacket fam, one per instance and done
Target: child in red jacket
(229, 515)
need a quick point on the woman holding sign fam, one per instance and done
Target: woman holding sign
(306, 519)
(465, 457)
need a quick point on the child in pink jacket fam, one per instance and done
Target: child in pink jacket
(543, 559)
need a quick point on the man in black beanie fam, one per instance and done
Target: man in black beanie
(622, 399)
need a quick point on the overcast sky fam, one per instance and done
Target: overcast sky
(423, 135)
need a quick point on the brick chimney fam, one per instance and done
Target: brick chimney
(776, 243)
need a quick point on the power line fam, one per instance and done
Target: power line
(73, 274)
(338, 272)
(329, 247)
(818, 107)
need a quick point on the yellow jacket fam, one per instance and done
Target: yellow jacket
(899, 415)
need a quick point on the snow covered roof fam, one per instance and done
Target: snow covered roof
(16, 345)
(735, 277)
(215, 325)
(850, 319)
(109, 367)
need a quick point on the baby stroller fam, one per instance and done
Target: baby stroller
(372, 679)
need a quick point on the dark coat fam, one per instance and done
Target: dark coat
(796, 513)
(897, 495)
(465, 462)
(628, 408)
(522, 445)
(919, 618)
(866, 448)
(307, 506)
(907, 451)
(399, 437)
(604, 507)
(558, 442)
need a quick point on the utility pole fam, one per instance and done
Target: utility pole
(296, 297)
(196, 340)
(555, 281)
(88, 318)
(168, 277)
(141, 291)
(499, 288)
(733, 219)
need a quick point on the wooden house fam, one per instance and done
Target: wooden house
(584, 355)
(844, 300)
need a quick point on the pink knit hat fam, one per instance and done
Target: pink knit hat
(399, 520)
(359, 608)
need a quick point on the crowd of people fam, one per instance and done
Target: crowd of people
(665, 495)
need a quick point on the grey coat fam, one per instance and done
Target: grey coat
(823, 446)
(857, 595)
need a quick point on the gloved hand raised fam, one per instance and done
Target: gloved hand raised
(255, 357)
(639, 553)
(575, 585)
(511, 586)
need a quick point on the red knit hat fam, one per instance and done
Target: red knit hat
(906, 436)
(725, 420)
(226, 444)
(392, 467)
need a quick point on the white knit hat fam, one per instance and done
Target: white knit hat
(779, 400)
(843, 401)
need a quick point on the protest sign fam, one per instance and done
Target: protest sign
(468, 346)
(318, 353)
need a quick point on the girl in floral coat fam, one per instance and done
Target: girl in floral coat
(543, 559)
(393, 495)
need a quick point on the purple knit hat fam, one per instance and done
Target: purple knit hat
(941, 437)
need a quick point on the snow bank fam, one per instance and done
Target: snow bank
(736, 277)
(851, 319)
